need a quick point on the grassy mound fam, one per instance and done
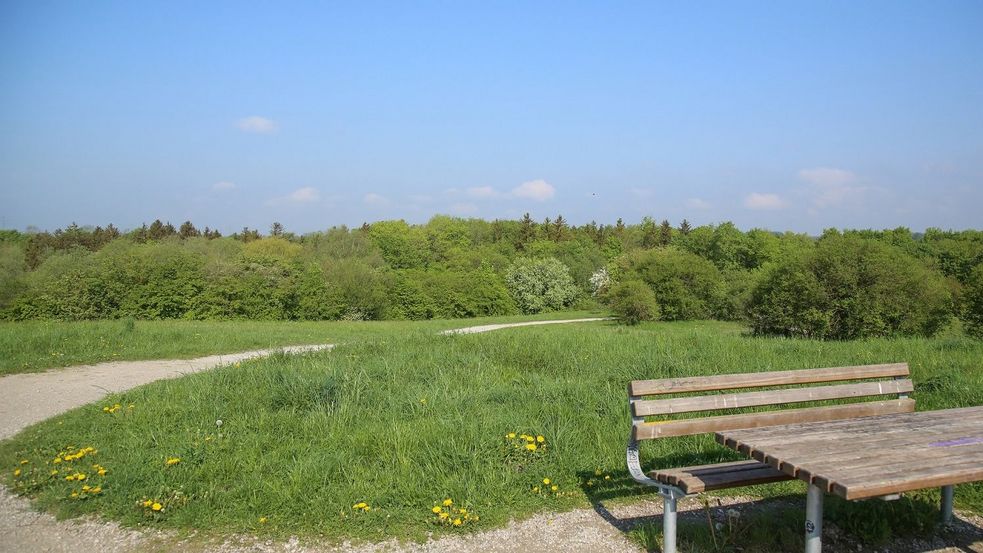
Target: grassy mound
(369, 440)
(31, 346)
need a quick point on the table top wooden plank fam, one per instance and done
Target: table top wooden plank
(870, 456)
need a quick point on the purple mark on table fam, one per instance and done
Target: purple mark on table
(960, 441)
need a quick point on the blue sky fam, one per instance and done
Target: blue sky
(779, 115)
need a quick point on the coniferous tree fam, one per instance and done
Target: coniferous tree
(665, 233)
(684, 227)
(650, 233)
(188, 230)
(527, 231)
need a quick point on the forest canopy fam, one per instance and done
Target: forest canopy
(841, 285)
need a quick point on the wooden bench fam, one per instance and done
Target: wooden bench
(674, 396)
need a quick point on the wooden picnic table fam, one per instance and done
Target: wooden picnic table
(868, 457)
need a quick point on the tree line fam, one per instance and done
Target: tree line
(842, 284)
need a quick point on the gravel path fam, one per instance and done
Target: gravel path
(31, 398)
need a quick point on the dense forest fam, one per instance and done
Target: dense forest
(841, 285)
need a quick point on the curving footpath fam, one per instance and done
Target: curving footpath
(31, 398)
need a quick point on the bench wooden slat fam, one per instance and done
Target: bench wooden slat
(770, 397)
(720, 476)
(776, 378)
(686, 427)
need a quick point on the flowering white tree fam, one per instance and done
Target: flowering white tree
(599, 281)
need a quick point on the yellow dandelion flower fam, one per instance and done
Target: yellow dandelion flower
(157, 507)
(540, 439)
(147, 503)
(607, 476)
(173, 461)
(546, 481)
(510, 435)
(54, 472)
(458, 522)
(80, 476)
(24, 462)
(463, 511)
(56, 460)
(102, 472)
(535, 489)
(531, 447)
(443, 515)
(436, 510)
(96, 489)
(597, 472)
(262, 520)
(554, 488)
(17, 472)
(367, 508)
(75, 494)
(448, 502)
(530, 439)
(86, 488)
(70, 477)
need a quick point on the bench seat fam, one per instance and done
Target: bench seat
(719, 476)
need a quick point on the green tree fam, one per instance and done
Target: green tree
(972, 313)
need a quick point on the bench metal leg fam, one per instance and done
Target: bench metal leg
(814, 519)
(946, 504)
(668, 524)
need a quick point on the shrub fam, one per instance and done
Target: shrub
(539, 285)
(633, 302)
(418, 294)
(686, 285)
(850, 287)
(972, 314)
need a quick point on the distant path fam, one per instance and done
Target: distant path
(489, 328)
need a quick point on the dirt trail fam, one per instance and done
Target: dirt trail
(30, 398)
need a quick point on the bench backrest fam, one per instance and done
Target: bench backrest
(864, 382)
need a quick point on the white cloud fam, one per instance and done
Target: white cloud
(538, 190)
(757, 200)
(223, 185)
(698, 203)
(305, 195)
(826, 176)
(257, 124)
(375, 199)
(831, 187)
(482, 192)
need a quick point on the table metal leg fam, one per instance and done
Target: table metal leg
(946, 504)
(814, 519)
(668, 524)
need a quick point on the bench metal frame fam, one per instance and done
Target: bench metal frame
(670, 494)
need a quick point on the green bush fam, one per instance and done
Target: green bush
(539, 285)
(972, 314)
(633, 302)
(850, 287)
(686, 285)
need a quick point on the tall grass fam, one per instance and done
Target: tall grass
(404, 420)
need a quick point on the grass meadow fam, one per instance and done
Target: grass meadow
(365, 441)
(32, 346)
